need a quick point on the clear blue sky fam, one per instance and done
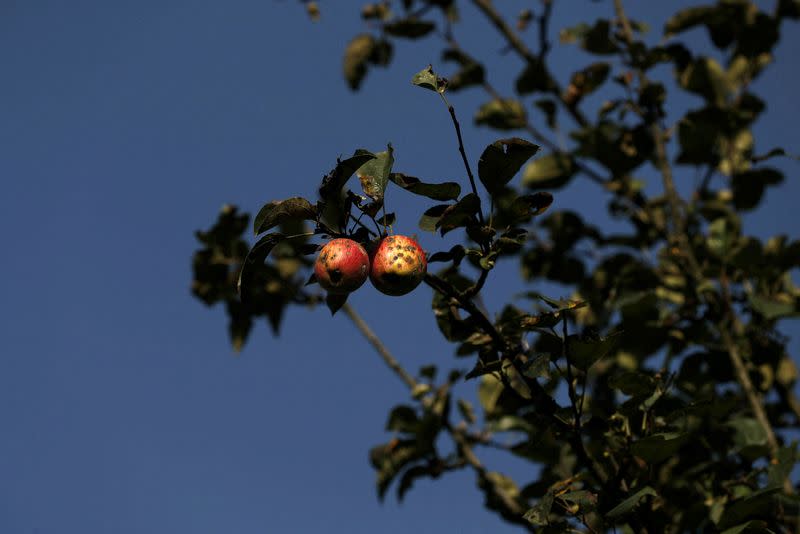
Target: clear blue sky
(124, 126)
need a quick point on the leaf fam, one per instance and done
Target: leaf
(507, 114)
(595, 39)
(747, 432)
(356, 55)
(430, 219)
(748, 186)
(335, 301)
(280, 211)
(538, 515)
(459, 214)
(686, 19)
(534, 78)
(583, 353)
(526, 206)
(427, 79)
(758, 525)
(333, 183)
(403, 418)
(257, 254)
(442, 191)
(471, 72)
(586, 81)
(658, 447)
(484, 369)
(374, 174)
(585, 501)
(549, 172)
(630, 503)
(633, 383)
(502, 159)
(774, 308)
(410, 28)
(706, 78)
(455, 254)
(409, 476)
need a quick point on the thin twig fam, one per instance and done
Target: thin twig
(463, 153)
(378, 345)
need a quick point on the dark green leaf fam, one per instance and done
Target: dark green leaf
(403, 419)
(548, 172)
(409, 28)
(455, 254)
(256, 256)
(755, 525)
(502, 159)
(534, 78)
(583, 353)
(442, 191)
(459, 214)
(633, 383)
(595, 39)
(586, 81)
(706, 78)
(430, 219)
(471, 72)
(409, 476)
(333, 183)
(484, 369)
(280, 211)
(630, 503)
(659, 447)
(505, 114)
(374, 174)
(748, 186)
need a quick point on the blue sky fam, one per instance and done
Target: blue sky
(124, 127)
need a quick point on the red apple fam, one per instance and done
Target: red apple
(398, 265)
(342, 266)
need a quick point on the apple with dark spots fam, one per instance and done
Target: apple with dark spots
(398, 265)
(342, 266)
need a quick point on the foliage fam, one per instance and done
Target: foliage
(679, 389)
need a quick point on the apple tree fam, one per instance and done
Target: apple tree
(659, 397)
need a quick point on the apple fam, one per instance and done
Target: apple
(398, 265)
(342, 266)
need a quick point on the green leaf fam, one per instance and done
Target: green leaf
(534, 78)
(686, 19)
(455, 254)
(442, 191)
(659, 447)
(410, 28)
(583, 353)
(374, 174)
(502, 159)
(507, 114)
(409, 476)
(548, 172)
(280, 211)
(459, 214)
(430, 219)
(427, 79)
(539, 514)
(585, 501)
(706, 78)
(773, 307)
(630, 503)
(256, 256)
(720, 238)
(747, 432)
(356, 55)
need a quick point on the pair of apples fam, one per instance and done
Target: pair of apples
(395, 265)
